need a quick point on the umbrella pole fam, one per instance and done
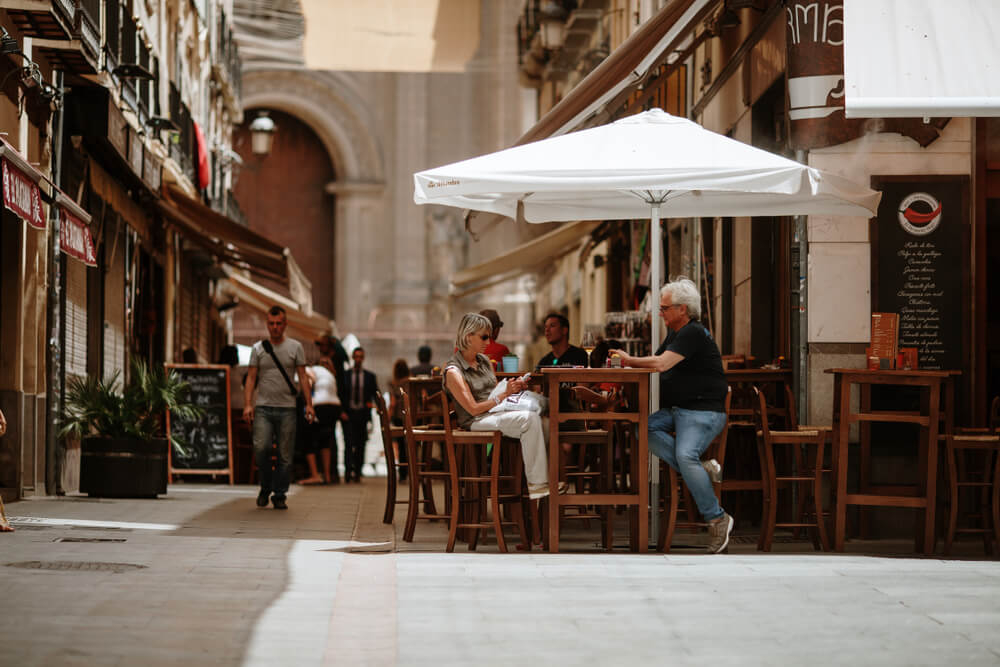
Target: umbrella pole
(655, 273)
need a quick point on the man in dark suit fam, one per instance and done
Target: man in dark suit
(357, 395)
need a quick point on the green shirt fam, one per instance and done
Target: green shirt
(480, 379)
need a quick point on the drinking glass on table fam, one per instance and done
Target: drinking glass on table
(588, 343)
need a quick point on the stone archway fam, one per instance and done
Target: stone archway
(332, 106)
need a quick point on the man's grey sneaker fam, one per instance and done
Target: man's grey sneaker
(713, 469)
(262, 498)
(279, 503)
(718, 534)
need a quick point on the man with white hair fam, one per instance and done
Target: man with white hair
(692, 410)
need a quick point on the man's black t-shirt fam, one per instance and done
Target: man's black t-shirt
(573, 356)
(698, 381)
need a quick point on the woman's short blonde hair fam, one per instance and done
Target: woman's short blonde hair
(471, 323)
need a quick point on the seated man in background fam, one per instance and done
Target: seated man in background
(424, 357)
(557, 335)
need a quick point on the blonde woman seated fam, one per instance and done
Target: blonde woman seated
(469, 379)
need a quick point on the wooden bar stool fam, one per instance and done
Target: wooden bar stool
(474, 462)
(985, 479)
(678, 494)
(767, 439)
(392, 464)
(420, 474)
(592, 468)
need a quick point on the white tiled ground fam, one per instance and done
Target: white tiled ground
(232, 585)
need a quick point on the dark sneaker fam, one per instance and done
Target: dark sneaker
(279, 503)
(713, 469)
(718, 534)
(262, 498)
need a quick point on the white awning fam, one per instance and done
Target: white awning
(258, 297)
(525, 257)
(921, 58)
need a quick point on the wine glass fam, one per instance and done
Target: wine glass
(588, 343)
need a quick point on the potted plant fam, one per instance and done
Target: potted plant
(122, 446)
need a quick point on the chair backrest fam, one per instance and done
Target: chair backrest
(424, 405)
(995, 415)
(718, 447)
(446, 414)
(793, 415)
(734, 361)
(385, 423)
(406, 410)
(760, 414)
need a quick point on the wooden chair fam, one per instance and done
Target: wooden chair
(419, 471)
(985, 478)
(393, 466)
(589, 463)
(678, 494)
(734, 361)
(767, 439)
(474, 462)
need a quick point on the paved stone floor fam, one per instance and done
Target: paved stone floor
(221, 582)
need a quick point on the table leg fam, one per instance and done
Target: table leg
(865, 471)
(842, 392)
(642, 459)
(930, 481)
(553, 503)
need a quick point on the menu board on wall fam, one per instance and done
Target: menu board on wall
(920, 267)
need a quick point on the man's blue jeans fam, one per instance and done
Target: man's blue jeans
(274, 425)
(680, 437)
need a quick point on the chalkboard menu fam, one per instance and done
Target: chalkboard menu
(207, 439)
(920, 266)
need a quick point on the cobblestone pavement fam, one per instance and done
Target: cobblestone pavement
(221, 582)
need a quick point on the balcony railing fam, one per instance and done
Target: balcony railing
(182, 145)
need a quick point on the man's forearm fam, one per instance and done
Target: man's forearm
(248, 387)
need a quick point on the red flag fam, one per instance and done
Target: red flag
(203, 173)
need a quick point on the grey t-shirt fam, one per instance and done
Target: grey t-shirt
(272, 390)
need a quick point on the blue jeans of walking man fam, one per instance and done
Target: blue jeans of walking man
(273, 425)
(680, 437)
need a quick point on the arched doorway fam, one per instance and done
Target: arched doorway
(283, 196)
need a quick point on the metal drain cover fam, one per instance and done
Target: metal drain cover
(89, 539)
(75, 565)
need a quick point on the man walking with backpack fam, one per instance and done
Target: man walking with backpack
(272, 364)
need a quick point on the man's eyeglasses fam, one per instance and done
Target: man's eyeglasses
(664, 309)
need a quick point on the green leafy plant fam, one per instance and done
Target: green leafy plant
(94, 406)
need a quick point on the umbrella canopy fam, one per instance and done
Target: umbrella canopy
(618, 171)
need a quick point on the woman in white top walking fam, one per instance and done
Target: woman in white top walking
(323, 436)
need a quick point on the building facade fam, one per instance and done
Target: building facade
(799, 288)
(118, 117)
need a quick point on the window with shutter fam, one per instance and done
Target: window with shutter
(114, 310)
(75, 329)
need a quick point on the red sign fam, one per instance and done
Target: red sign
(75, 239)
(22, 196)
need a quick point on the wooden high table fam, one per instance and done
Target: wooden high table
(923, 497)
(638, 499)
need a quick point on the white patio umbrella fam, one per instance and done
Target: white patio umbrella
(648, 165)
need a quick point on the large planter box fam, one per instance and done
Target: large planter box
(123, 467)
